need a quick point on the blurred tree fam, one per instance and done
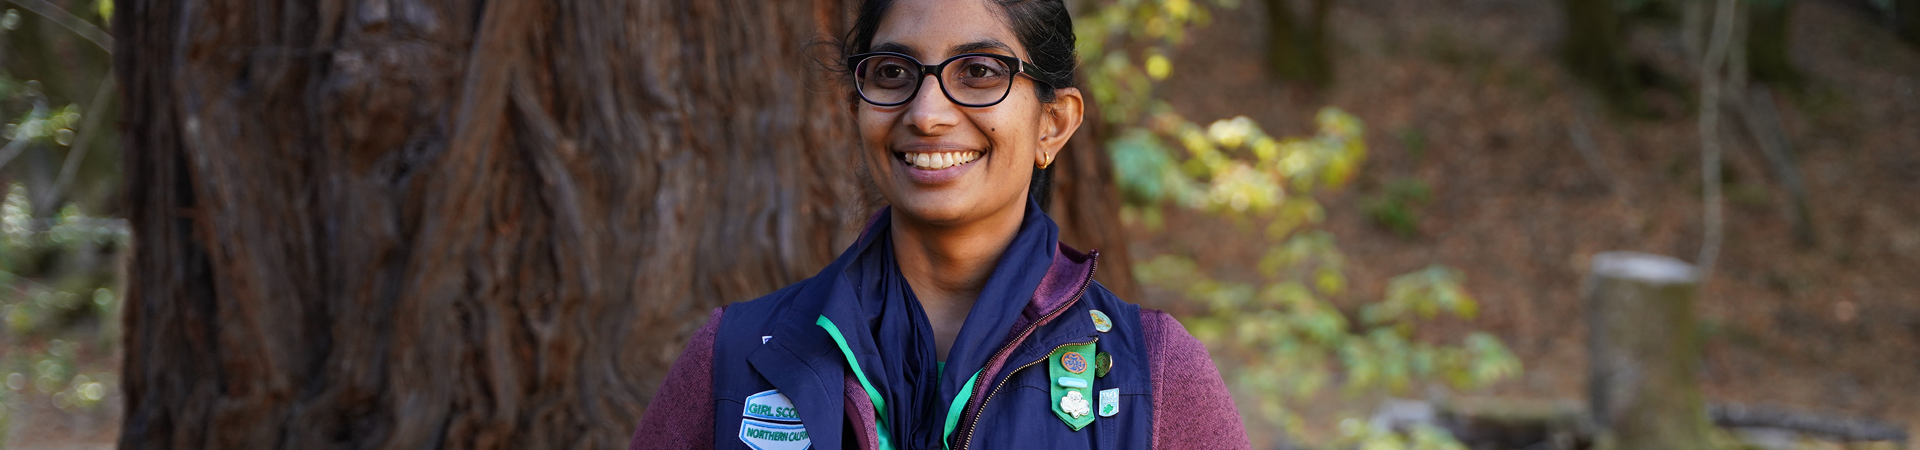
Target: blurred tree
(1595, 50)
(413, 224)
(1297, 46)
(1767, 52)
(1907, 20)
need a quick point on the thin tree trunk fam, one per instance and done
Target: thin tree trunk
(1766, 42)
(1907, 20)
(1712, 76)
(1595, 51)
(1297, 51)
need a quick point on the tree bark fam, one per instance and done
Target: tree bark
(1643, 351)
(418, 224)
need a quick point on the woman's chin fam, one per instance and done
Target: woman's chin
(935, 208)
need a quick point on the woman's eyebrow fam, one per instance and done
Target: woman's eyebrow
(893, 47)
(975, 46)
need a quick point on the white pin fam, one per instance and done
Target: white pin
(764, 339)
(1074, 404)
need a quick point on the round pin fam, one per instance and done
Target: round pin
(1073, 362)
(1102, 363)
(1100, 321)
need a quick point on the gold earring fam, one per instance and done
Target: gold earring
(1048, 161)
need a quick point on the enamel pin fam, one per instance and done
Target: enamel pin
(1074, 404)
(1100, 321)
(1102, 363)
(1073, 362)
(1109, 402)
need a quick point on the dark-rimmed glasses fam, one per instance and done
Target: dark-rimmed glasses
(975, 80)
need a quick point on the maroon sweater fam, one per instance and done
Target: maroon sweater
(1191, 406)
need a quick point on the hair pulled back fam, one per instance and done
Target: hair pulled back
(1043, 27)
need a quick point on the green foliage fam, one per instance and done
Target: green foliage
(59, 312)
(1394, 207)
(35, 309)
(1414, 141)
(1280, 338)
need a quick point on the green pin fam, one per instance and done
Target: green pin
(1102, 363)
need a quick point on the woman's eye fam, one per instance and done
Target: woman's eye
(893, 72)
(981, 71)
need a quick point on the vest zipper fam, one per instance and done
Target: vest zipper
(1003, 382)
(1093, 264)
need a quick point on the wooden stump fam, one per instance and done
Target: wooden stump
(1643, 352)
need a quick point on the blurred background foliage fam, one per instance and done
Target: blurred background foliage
(1280, 340)
(59, 307)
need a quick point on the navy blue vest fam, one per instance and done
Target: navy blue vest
(779, 379)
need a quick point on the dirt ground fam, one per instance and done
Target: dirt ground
(1467, 97)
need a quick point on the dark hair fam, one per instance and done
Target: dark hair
(1043, 26)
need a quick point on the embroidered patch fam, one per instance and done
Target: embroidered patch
(769, 422)
(773, 436)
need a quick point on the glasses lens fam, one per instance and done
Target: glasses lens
(887, 79)
(977, 80)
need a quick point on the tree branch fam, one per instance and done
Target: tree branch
(66, 19)
(78, 151)
(1710, 79)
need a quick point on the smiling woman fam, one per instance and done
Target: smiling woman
(957, 319)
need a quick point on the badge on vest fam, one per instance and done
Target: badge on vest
(769, 422)
(1072, 390)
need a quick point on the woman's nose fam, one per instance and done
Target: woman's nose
(931, 112)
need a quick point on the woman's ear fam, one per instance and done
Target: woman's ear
(1061, 119)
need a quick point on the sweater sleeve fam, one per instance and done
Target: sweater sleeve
(1191, 405)
(681, 414)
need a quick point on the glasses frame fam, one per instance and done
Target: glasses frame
(1020, 67)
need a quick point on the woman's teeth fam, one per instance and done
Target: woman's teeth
(937, 161)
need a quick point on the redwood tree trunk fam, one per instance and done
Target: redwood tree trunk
(442, 224)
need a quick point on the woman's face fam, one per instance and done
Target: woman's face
(943, 164)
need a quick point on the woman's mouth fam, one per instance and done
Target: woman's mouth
(936, 160)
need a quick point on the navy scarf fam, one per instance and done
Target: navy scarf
(896, 349)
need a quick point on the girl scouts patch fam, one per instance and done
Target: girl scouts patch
(769, 422)
(1073, 362)
(1071, 391)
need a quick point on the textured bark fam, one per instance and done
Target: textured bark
(450, 224)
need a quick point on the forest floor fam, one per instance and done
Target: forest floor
(1467, 98)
